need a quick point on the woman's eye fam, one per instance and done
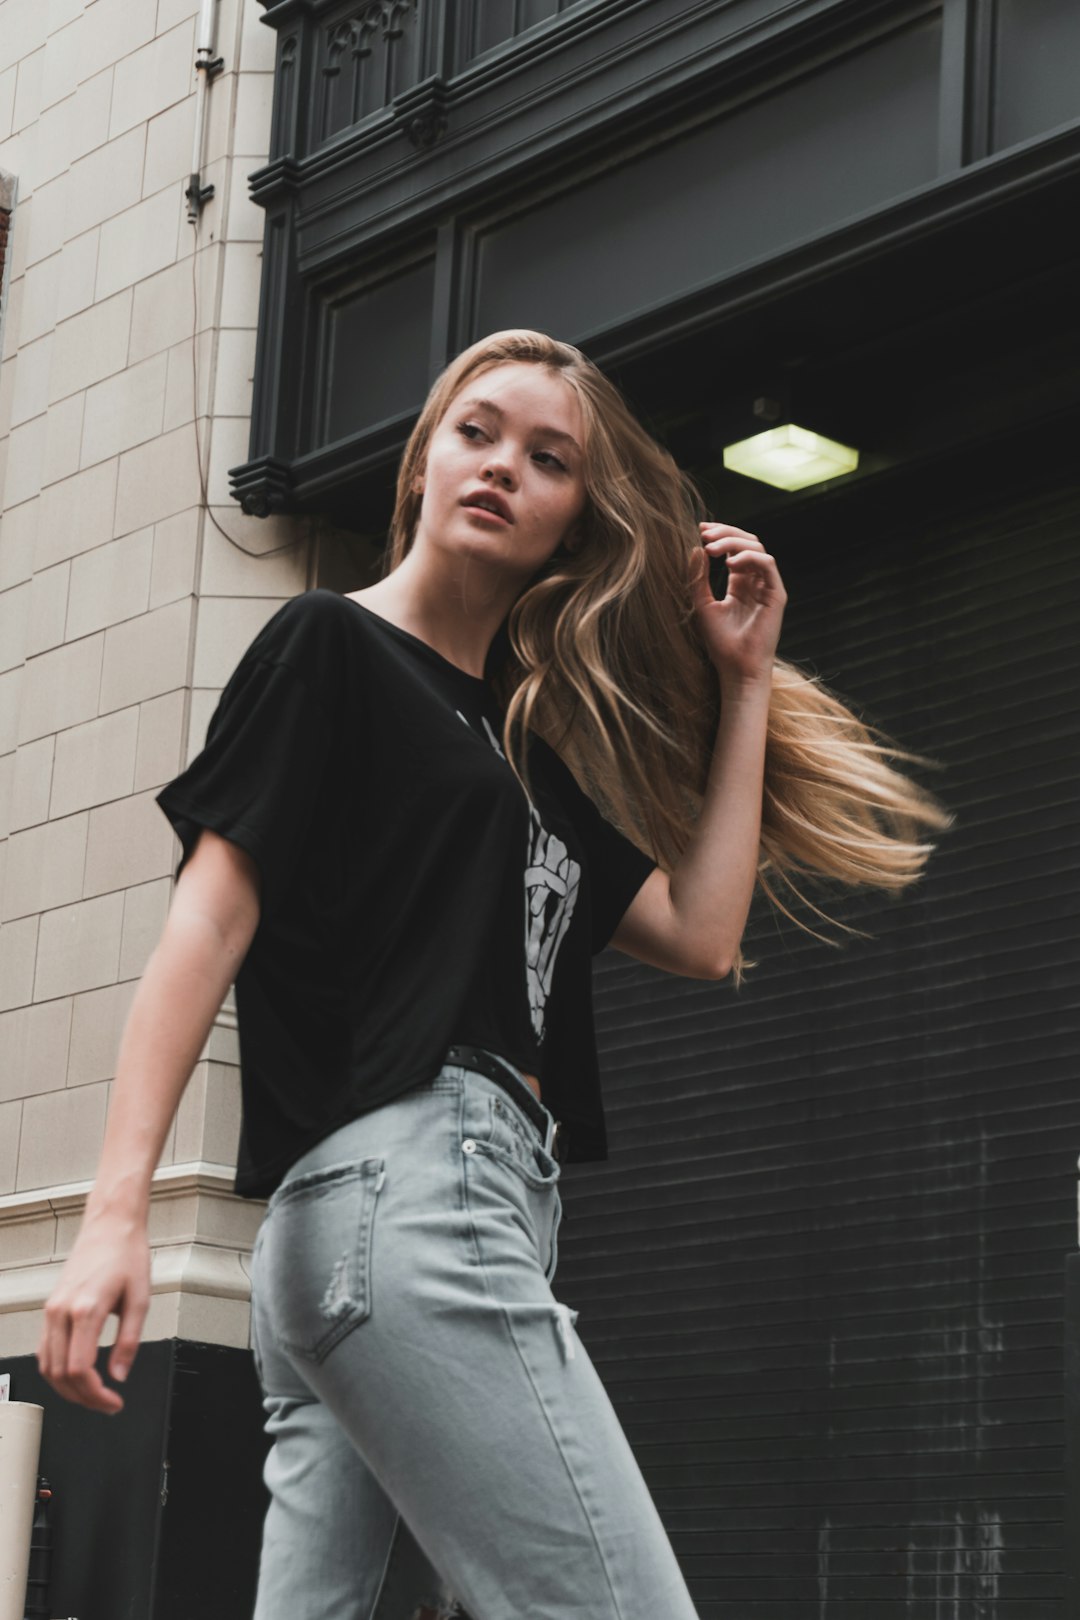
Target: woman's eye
(552, 459)
(468, 429)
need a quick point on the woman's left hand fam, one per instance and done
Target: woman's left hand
(740, 631)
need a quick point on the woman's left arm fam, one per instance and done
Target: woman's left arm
(692, 921)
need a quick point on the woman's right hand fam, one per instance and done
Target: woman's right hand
(107, 1273)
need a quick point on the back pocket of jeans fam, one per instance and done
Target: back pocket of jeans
(317, 1256)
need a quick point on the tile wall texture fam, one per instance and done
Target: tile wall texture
(122, 608)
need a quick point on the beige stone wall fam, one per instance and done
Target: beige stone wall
(122, 607)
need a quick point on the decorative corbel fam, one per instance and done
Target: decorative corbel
(421, 111)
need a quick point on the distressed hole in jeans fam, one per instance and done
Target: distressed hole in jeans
(337, 1297)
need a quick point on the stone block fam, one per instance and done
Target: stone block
(106, 181)
(78, 268)
(44, 867)
(163, 313)
(47, 610)
(7, 781)
(26, 459)
(25, 27)
(175, 547)
(46, 231)
(61, 1139)
(129, 841)
(30, 396)
(110, 583)
(146, 907)
(119, 27)
(154, 77)
(53, 130)
(161, 738)
(18, 535)
(95, 762)
(34, 1046)
(18, 943)
(63, 439)
(76, 514)
(8, 81)
(169, 139)
(208, 1119)
(78, 947)
(254, 103)
(140, 241)
(91, 345)
(62, 688)
(240, 284)
(31, 784)
(157, 479)
(11, 687)
(40, 299)
(10, 1126)
(90, 121)
(60, 78)
(97, 1025)
(14, 604)
(28, 88)
(146, 656)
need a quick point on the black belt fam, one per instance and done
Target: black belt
(475, 1057)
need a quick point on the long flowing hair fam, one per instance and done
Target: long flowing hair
(605, 663)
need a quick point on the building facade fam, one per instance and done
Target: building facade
(823, 1272)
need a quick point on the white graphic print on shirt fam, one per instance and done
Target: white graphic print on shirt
(552, 877)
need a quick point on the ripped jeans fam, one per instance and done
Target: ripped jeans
(442, 1444)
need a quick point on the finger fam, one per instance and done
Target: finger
(54, 1353)
(723, 550)
(754, 562)
(132, 1316)
(719, 529)
(81, 1373)
(700, 589)
(53, 1359)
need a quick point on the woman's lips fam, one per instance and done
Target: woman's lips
(486, 512)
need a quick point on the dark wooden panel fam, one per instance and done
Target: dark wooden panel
(375, 350)
(487, 23)
(825, 147)
(1036, 68)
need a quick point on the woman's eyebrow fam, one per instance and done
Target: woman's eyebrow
(497, 410)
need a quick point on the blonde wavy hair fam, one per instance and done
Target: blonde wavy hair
(605, 663)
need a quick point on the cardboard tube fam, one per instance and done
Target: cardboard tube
(20, 1452)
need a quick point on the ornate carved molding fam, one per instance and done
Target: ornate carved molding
(421, 111)
(381, 20)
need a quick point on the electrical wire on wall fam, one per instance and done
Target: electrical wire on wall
(207, 67)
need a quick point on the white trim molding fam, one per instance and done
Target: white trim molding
(201, 1234)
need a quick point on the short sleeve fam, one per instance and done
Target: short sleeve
(617, 867)
(258, 779)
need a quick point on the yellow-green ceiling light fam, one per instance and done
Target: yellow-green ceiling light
(790, 457)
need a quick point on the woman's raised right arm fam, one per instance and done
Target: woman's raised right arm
(212, 918)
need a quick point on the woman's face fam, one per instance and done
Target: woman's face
(512, 436)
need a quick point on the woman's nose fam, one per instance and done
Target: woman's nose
(499, 469)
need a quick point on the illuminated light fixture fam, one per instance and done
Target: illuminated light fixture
(790, 457)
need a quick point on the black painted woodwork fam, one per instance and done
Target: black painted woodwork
(157, 1511)
(626, 174)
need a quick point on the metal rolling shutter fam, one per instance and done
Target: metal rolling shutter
(821, 1275)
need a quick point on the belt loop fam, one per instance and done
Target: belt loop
(504, 1074)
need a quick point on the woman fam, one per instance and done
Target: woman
(385, 847)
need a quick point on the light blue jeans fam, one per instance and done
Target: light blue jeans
(442, 1443)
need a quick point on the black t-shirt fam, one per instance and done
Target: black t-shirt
(411, 897)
